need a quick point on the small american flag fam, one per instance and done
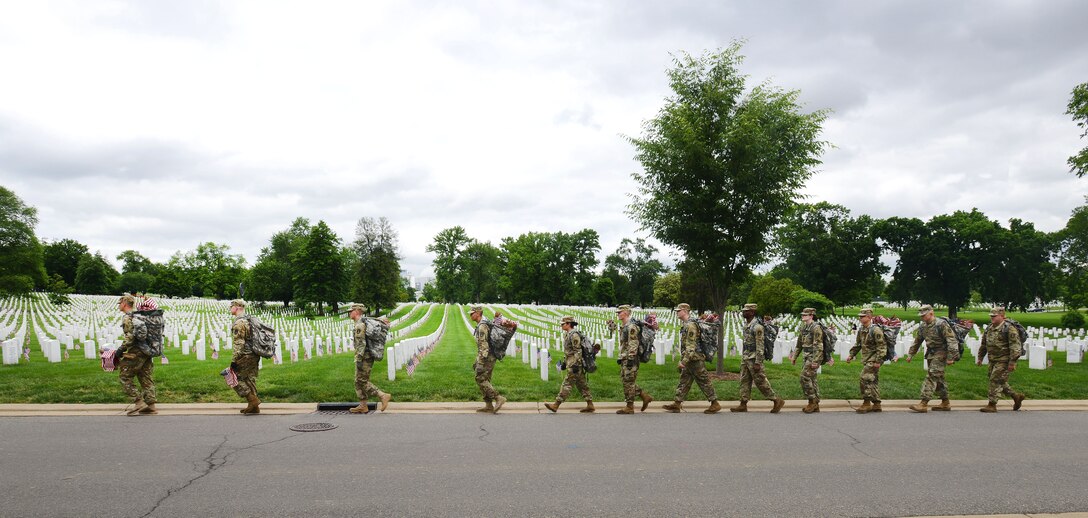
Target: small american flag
(230, 377)
(66, 354)
(147, 304)
(109, 359)
(411, 367)
(215, 354)
(26, 354)
(164, 360)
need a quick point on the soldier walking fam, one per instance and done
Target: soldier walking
(1002, 343)
(135, 363)
(629, 362)
(485, 363)
(573, 363)
(870, 343)
(692, 365)
(244, 362)
(810, 347)
(942, 349)
(751, 370)
(364, 362)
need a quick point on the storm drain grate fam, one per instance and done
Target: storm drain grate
(313, 427)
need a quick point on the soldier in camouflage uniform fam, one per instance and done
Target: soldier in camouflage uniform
(135, 363)
(692, 365)
(870, 343)
(810, 344)
(244, 362)
(485, 363)
(573, 363)
(364, 362)
(629, 362)
(1002, 343)
(942, 349)
(751, 370)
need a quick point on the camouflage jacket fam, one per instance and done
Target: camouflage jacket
(240, 335)
(129, 337)
(358, 332)
(628, 349)
(939, 338)
(753, 341)
(1001, 343)
(870, 344)
(572, 349)
(689, 341)
(483, 347)
(810, 341)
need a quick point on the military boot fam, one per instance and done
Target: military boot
(922, 407)
(742, 407)
(646, 399)
(254, 404)
(714, 407)
(778, 404)
(876, 407)
(589, 408)
(945, 406)
(487, 409)
(673, 408)
(384, 398)
(499, 401)
(363, 408)
(865, 407)
(137, 406)
(809, 408)
(629, 409)
(1017, 400)
(553, 406)
(149, 409)
(989, 408)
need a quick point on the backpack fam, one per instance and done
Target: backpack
(707, 343)
(262, 338)
(1023, 333)
(770, 333)
(890, 335)
(589, 353)
(498, 337)
(829, 340)
(377, 332)
(147, 327)
(646, 335)
(960, 330)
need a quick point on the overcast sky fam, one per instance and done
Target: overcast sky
(158, 125)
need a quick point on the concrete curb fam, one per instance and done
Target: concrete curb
(469, 407)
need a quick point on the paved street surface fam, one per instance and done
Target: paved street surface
(830, 464)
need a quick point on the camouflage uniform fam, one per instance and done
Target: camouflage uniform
(870, 343)
(694, 365)
(751, 370)
(364, 362)
(810, 348)
(576, 375)
(941, 345)
(485, 364)
(1002, 344)
(245, 362)
(135, 363)
(628, 356)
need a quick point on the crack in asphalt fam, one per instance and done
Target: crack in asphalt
(855, 443)
(486, 433)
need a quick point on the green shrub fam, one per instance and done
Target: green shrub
(1073, 320)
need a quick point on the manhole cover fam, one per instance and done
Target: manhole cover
(313, 427)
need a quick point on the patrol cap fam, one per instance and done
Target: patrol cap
(568, 320)
(925, 309)
(359, 307)
(865, 312)
(238, 302)
(997, 311)
(682, 307)
(127, 299)
(476, 309)
(624, 307)
(808, 311)
(751, 307)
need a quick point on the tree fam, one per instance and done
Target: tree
(449, 278)
(170, 280)
(135, 282)
(803, 298)
(430, 293)
(826, 250)
(1019, 267)
(271, 277)
(1078, 108)
(667, 290)
(483, 268)
(319, 270)
(133, 261)
(376, 281)
(1071, 252)
(633, 268)
(604, 292)
(721, 165)
(774, 296)
(95, 276)
(62, 258)
(212, 271)
(59, 291)
(21, 264)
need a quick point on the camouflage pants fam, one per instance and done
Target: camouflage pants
(483, 368)
(999, 381)
(810, 385)
(695, 371)
(628, 375)
(870, 381)
(574, 380)
(363, 386)
(136, 364)
(751, 373)
(246, 367)
(934, 382)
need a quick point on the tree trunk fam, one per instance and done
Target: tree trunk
(721, 340)
(952, 311)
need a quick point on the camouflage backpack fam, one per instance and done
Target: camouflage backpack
(499, 336)
(707, 343)
(770, 334)
(646, 336)
(829, 341)
(891, 333)
(1021, 332)
(377, 333)
(589, 353)
(262, 338)
(147, 327)
(960, 328)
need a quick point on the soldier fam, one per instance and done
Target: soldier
(942, 349)
(485, 363)
(576, 374)
(692, 366)
(611, 328)
(629, 362)
(244, 362)
(751, 370)
(363, 364)
(810, 342)
(133, 362)
(870, 343)
(1002, 342)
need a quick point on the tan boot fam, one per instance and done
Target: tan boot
(922, 407)
(137, 406)
(384, 398)
(487, 409)
(149, 409)
(553, 406)
(809, 407)
(865, 407)
(363, 408)
(714, 408)
(945, 406)
(589, 408)
(989, 408)
(876, 407)
(778, 404)
(646, 399)
(629, 409)
(1017, 400)
(498, 404)
(673, 408)
(742, 407)
(254, 405)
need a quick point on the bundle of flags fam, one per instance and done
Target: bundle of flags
(884, 321)
(109, 359)
(651, 321)
(230, 377)
(411, 366)
(148, 304)
(164, 360)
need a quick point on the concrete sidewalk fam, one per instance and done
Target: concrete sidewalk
(467, 407)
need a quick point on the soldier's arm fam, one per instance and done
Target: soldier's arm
(360, 335)
(857, 345)
(129, 335)
(576, 348)
(632, 342)
(483, 350)
(759, 342)
(953, 344)
(817, 344)
(917, 343)
(798, 348)
(238, 334)
(688, 342)
(1015, 347)
(982, 349)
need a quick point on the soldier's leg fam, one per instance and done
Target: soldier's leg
(126, 371)
(929, 386)
(369, 388)
(759, 377)
(866, 381)
(579, 380)
(937, 368)
(564, 389)
(628, 374)
(702, 377)
(745, 381)
(871, 375)
(247, 368)
(145, 373)
(483, 380)
(999, 377)
(808, 382)
(684, 385)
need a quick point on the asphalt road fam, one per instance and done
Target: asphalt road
(832, 464)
